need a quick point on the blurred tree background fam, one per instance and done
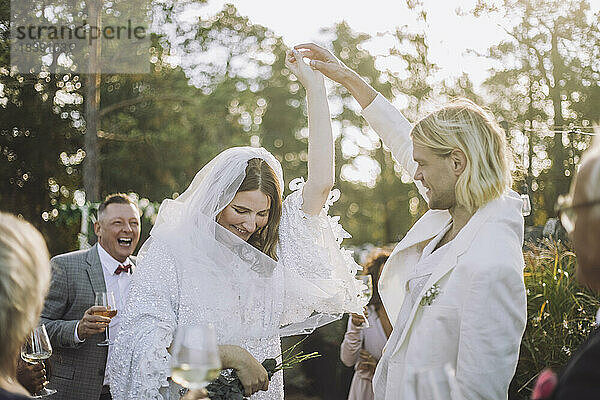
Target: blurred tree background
(221, 81)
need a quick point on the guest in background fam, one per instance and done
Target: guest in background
(78, 364)
(24, 279)
(580, 215)
(362, 347)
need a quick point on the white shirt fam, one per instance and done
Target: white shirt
(119, 285)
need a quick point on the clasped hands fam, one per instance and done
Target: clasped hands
(366, 362)
(322, 60)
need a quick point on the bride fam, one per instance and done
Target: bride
(228, 251)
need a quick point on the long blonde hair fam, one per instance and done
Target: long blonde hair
(464, 125)
(24, 281)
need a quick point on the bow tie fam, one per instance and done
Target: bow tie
(122, 268)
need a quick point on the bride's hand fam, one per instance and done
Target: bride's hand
(310, 78)
(252, 374)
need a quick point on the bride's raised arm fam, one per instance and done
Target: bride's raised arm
(318, 273)
(321, 173)
(389, 123)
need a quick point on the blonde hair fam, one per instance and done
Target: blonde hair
(24, 281)
(464, 125)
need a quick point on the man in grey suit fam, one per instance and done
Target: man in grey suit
(78, 363)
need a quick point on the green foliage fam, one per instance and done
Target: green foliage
(545, 79)
(560, 314)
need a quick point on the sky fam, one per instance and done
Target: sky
(449, 35)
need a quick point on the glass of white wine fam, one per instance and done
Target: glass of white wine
(36, 349)
(106, 300)
(366, 294)
(195, 358)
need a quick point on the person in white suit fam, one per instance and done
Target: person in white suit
(453, 286)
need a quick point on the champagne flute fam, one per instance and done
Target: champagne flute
(195, 358)
(106, 300)
(37, 348)
(366, 294)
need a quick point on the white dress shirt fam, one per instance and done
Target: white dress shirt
(119, 285)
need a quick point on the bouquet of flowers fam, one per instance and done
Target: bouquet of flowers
(229, 387)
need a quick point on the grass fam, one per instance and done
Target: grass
(561, 313)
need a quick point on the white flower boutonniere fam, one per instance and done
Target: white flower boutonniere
(430, 295)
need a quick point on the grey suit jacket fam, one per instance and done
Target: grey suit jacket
(77, 369)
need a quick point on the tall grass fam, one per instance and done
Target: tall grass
(561, 313)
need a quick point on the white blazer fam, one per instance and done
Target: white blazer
(477, 320)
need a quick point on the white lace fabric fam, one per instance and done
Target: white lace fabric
(320, 283)
(193, 271)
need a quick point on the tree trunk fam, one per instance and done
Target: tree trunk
(558, 182)
(91, 166)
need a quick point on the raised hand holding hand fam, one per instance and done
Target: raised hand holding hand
(324, 61)
(310, 78)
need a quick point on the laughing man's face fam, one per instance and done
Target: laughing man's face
(118, 230)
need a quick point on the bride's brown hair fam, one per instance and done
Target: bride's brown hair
(260, 176)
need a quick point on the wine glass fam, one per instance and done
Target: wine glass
(366, 294)
(37, 348)
(438, 383)
(106, 300)
(195, 358)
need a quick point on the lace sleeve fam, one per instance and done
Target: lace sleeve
(319, 274)
(139, 365)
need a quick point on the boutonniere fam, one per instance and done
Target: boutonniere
(430, 295)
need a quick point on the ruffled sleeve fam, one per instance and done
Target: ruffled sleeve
(139, 366)
(319, 273)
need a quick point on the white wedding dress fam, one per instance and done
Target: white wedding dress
(251, 299)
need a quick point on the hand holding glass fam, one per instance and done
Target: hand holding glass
(36, 349)
(106, 300)
(195, 358)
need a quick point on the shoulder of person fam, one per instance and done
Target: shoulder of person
(495, 249)
(503, 225)
(71, 257)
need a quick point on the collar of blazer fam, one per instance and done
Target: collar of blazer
(94, 270)
(507, 206)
